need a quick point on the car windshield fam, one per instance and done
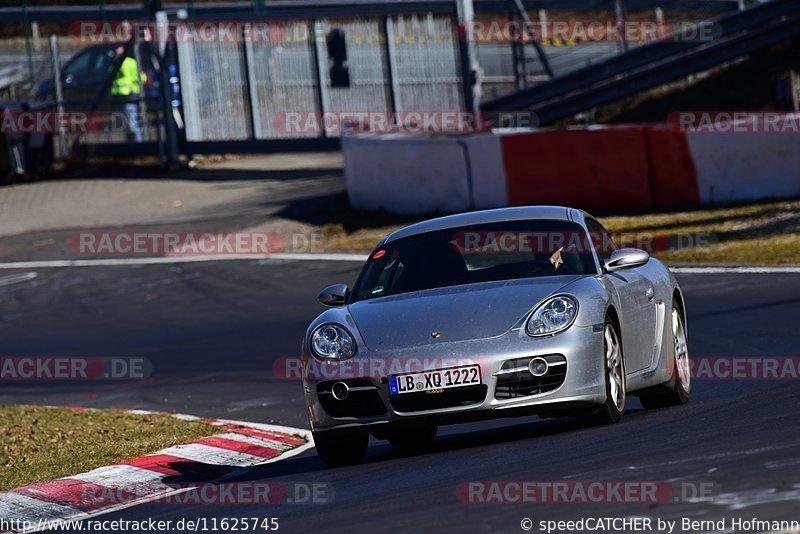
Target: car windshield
(472, 254)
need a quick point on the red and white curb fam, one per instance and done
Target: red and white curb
(242, 446)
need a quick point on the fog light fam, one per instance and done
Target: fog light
(340, 391)
(538, 367)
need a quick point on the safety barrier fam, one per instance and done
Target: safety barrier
(404, 174)
(673, 178)
(733, 167)
(632, 167)
(591, 168)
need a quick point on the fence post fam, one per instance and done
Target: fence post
(250, 81)
(518, 53)
(56, 64)
(167, 111)
(141, 99)
(619, 14)
(37, 38)
(394, 88)
(322, 91)
(469, 63)
(27, 30)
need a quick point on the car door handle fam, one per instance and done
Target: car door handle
(650, 293)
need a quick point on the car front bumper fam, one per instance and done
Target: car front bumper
(371, 405)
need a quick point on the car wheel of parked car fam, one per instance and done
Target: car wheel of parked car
(679, 387)
(337, 448)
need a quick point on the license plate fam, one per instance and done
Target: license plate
(436, 380)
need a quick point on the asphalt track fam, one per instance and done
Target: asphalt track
(213, 332)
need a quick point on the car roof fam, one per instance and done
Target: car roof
(560, 213)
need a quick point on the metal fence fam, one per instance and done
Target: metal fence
(281, 89)
(277, 93)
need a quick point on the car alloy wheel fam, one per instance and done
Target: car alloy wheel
(615, 368)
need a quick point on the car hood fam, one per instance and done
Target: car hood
(460, 313)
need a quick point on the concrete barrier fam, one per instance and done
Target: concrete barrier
(588, 168)
(745, 166)
(404, 174)
(620, 167)
(673, 178)
(486, 170)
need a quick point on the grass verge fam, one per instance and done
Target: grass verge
(41, 444)
(764, 233)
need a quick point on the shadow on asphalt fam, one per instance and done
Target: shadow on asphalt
(157, 172)
(381, 451)
(335, 209)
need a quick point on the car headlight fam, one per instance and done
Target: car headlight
(552, 316)
(332, 342)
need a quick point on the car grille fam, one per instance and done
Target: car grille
(364, 402)
(522, 383)
(418, 402)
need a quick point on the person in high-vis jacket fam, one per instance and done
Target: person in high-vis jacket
(128, 84)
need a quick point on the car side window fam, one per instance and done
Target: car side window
(601, 239)
(103, 61)
(80, 64)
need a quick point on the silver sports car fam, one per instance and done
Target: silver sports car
(498, 313)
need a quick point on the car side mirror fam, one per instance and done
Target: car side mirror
(626, 258)
(334, 295)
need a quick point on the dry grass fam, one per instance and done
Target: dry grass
(42, 444)
(772, 250)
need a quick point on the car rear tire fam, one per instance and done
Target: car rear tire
(616, 385)
(337, 448)
(678, 388)
(412, 437)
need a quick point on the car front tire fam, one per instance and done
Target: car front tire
(337, 448)
(616, 385)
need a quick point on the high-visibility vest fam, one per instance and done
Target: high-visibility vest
(127, 80)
